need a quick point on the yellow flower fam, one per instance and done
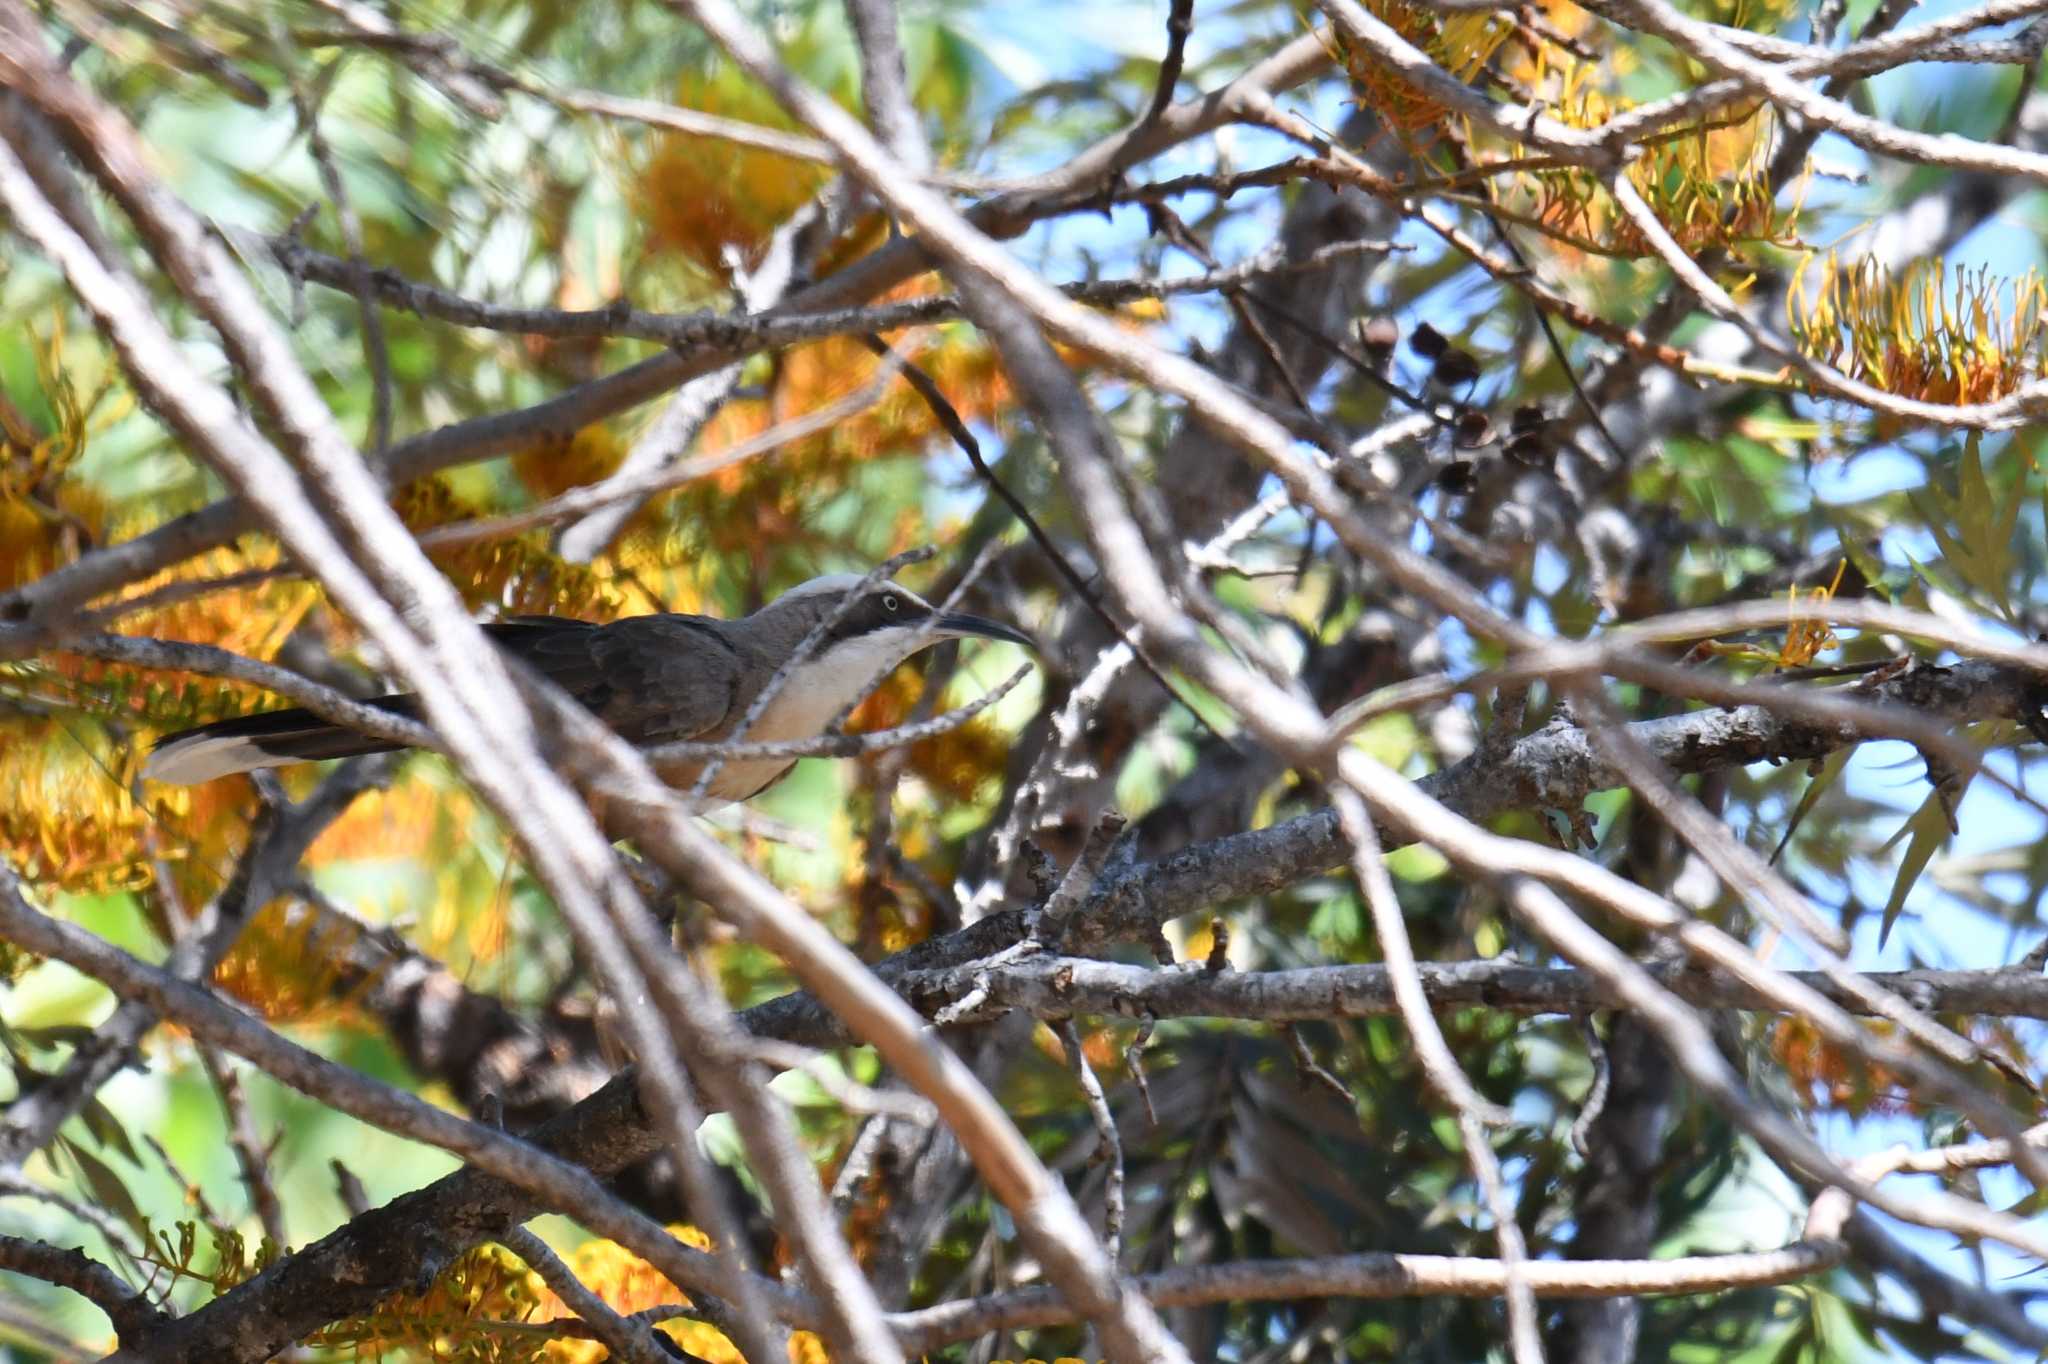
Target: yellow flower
(1922, 333)
(1806, 637)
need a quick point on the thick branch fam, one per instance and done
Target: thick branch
(1378, 1275)
(130, 1311)
(1054, 987)
(1554, 766)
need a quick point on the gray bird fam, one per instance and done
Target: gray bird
(654, 679)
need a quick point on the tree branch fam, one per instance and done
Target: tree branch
(131, 1312)
(1380, 1276)
(1055, 987)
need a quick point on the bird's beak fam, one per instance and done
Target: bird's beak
(958, 623)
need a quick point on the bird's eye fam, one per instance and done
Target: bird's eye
(889, 602)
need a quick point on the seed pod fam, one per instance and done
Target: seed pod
(1457, 478)
(1532, 450)
(1472, 429)
(1379, 337)
(1427, 342)
(1528, 417)
(1455, 369)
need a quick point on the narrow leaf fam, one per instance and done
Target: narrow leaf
(107, 1188)
(1816, 787)
(1929, 828)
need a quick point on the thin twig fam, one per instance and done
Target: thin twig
(1180, 26)
(1112, 1150)
(1474, 1114)
(850, 1094)
(252, 1155)
(627, 1339)
(374, 343)
(578, 502)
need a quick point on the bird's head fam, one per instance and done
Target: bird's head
(875, 627)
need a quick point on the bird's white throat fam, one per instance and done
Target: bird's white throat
(816, 690)
(810, 696)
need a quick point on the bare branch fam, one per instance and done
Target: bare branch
(1112, 1148)
(884, 85)
(1945, 149)
(133, 1315)
(375, 346)
(1373, 1276)
(627, 1339)
(1056, 987)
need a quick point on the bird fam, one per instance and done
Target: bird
(655, 679)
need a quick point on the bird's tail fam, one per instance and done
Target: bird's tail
(271, 739)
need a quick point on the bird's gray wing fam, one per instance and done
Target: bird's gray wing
(560, 648)
(663, 677)
(651, 678)
(557, 647)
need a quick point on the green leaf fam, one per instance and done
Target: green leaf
(1857, 552)
(107, 1188)
(1975, 531)
(1816, 787)
(1924, 577)
(1929, 828)
(1796, 1344)
(106, 1129)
